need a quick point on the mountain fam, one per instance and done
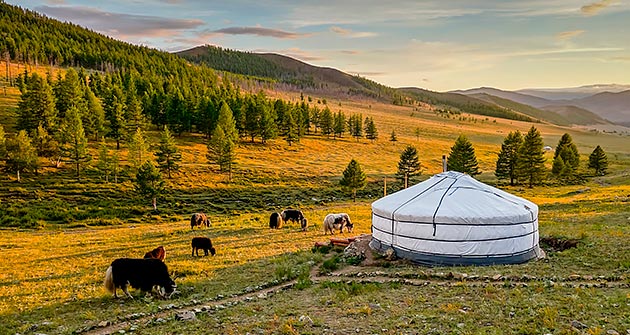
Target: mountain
(464, 103)
(577, 115)
(611, 106)
(535, 113)
(517, 97)
(573, 92)
(287, 70)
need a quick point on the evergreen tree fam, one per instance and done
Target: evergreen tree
(68, 92)
(138, 149)
(115, 114)
(462, 157)
(149, 182)
(355, 126)
(508, 157)
(326, 122)
(21, 155)
(105, 162)
(408, 165)
(569, 158)
(37, 105)
(47, 146)
(94, 119)
(353, 178)
(291, 129)
(168, 156)
(598, 161)
(252, 117)
(268, 128)
(339, 124)
(222, 144)
(371, 133)
(74, 146)
(417, 132)
(531, 158)
(393, 137)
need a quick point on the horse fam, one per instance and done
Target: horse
(199, 219)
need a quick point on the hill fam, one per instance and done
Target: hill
(514, 96)
(283, 69)
(464, 103)
(571, 93)
(611, 106)
(577, 115)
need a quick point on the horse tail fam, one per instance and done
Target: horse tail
(109, 280)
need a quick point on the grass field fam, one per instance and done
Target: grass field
(51, 276)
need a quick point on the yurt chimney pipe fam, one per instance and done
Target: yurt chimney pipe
(444, 167)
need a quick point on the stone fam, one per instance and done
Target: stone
(103, 324)
(306, 319)
(375, 306)
(185, 316)
(612, 332)
(496, 277)
(579, 325)
(390, 254)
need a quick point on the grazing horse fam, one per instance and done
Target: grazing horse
(157, 253)
(199, 219)
(294, 215)
(337, 221)
(275, 221)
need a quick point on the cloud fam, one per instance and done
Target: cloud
(260, 31)
(350, 52)
(120, 25)
(56, 2)
(367, 73)
(567, 35)
(596, 7)
(350, 33)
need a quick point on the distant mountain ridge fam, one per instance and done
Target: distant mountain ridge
(571, 93)
(602, 106)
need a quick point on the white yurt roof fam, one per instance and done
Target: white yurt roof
(452, 218)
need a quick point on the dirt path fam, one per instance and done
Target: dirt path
(353, 273)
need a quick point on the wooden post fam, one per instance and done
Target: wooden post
(406, 180)
(384, 186)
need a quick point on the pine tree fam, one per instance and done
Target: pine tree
(462, 157)
(290, 126)
(569, 158)
(149, 182)
(353, 178)
(68, 92)
(47, 146)
(268, 128)
(355, 126)
(598, 161)
(393, 138)
(531, 158)
(115, 114)
(168, 156)
(37, 105)
(371, 133)
(417, 132)
(408, 165)
(74, 145)
(252, 117)
(507, 162)
(138, 149)
(105, 162)
(94, 119)
(222, 144)
(339, 124)
(326, 122)
(21, 155)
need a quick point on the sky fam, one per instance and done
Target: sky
(439, 45)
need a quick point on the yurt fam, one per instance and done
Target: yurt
(453, 219)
